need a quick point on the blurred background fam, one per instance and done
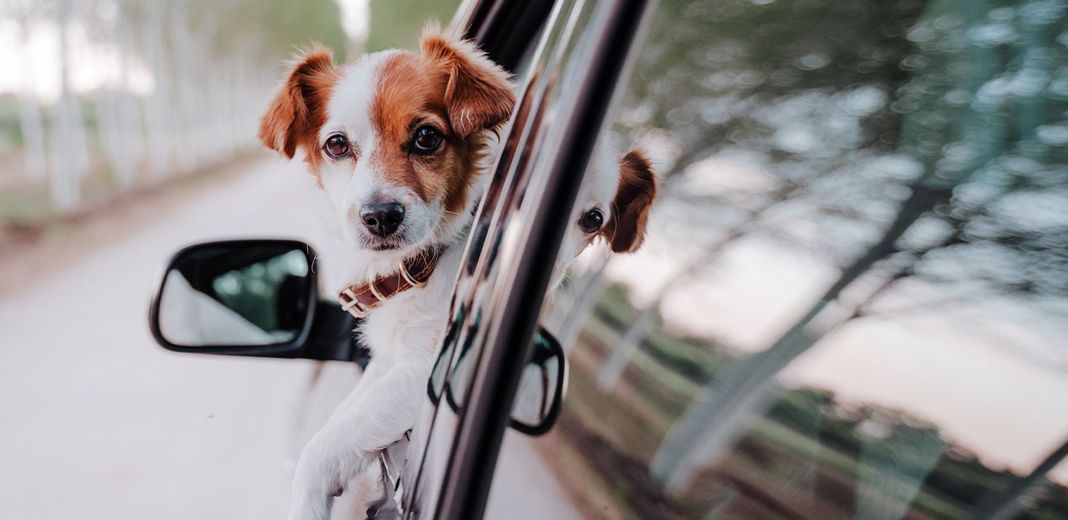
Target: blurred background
(853, 301)
(99, 98)
(128, 130)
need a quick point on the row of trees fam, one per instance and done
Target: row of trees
(184, 84)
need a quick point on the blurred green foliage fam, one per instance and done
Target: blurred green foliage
(269, 28)
(755, 52)
(397, 24)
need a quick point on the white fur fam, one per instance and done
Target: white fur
(349, 186)
(597, 191)
(404, 332)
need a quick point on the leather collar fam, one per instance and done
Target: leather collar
(359, 299)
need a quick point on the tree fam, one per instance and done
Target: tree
(69, 153)
(31, 125)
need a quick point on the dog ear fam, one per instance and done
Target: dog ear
(625, 229)
(479, 94)
(299, 109)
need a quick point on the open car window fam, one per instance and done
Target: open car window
(565, 90)
(854, 292)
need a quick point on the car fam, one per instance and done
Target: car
(860, 286)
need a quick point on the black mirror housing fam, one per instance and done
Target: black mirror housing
(249, 298)
(541, 391)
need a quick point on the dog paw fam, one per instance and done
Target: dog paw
(326, 464)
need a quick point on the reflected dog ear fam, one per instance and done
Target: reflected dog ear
(298, 110)
(625, 230)
(479, 94)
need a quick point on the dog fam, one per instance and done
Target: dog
(613, 204)
(396, 142)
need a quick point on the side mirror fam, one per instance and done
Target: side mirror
(541, 390)
(248, 298)
(260, 298)
(248, 294)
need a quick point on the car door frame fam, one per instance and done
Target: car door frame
(506, 30)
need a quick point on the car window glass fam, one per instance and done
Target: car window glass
(854, 291)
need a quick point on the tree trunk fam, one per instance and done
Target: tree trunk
(69, 157)
(1013, 498)
(722, 409)
(31, 127)
(612, 370)
(32, 130)
(158, 112)
(128, 129)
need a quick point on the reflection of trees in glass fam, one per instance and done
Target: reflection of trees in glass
(812, 455)
(970, 120)
(254, 291)
(800, 90)
(927, 140)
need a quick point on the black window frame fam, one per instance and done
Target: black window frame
(506, 31)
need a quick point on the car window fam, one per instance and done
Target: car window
(854, 291)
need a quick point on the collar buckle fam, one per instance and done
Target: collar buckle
(351, 304)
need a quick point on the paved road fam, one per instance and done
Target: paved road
(99, 423)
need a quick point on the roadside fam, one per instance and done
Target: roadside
(31, 250)
(117, 427)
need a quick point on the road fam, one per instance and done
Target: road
(100, 423)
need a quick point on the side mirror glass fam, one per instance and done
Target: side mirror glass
(245, 294)
(541, 389)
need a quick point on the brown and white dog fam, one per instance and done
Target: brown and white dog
(396, 140)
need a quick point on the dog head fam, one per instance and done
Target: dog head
(613, 204)
(394, 138)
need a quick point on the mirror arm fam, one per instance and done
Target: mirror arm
(331, 337)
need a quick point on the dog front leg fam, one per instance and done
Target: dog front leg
(375, 417)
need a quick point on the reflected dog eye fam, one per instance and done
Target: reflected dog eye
(337, 146)
(591, 221)
(425, 141)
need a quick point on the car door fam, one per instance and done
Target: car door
(566, 92)
(852, 303)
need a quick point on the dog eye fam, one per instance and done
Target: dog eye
(337, 146)
(426, 140)
(591, 221)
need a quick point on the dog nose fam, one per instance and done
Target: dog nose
(382, 218)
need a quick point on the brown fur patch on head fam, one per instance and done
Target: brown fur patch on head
(452, 87)
(406, 98)
(479, 94)
(298, 110)
(625, 230)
